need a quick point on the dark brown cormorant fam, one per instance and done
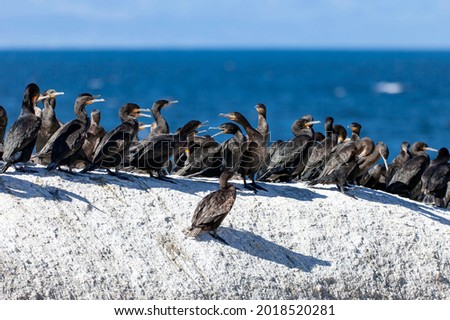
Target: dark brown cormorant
(286, 156)
(341, 163)
(162, 127)
(65, 145)
(398, 161)
(364, 163)
(263, 126)
(406, 180)
(435, 179)
(375, 178)
(21, 137)
(254, 152)
(50, 124)
(213, 208)
(3, 124)
(94, 135)
(318, 154)
(152, 154)
(204, 158)
(111, 151)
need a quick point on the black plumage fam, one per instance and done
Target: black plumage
(253, 153)
(21, 137)
(263, 126)
(213, 208)
(162, 127)
(3, 125)
(398, 161)
(435, 179)
(152, 154)
(407, 179)
(113, 147)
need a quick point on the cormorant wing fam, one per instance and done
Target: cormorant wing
(213, 206)
(113, 142)
(68, 140)
(23, 131)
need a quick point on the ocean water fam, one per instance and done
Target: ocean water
(396, 95)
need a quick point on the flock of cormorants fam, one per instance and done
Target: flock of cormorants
(313, 157)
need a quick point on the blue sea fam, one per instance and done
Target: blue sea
(396, 95)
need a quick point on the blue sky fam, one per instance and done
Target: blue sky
(225, 24)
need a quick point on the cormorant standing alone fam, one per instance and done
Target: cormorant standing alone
(213, 208)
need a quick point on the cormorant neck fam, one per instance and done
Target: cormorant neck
(161, 123)
(239, 136)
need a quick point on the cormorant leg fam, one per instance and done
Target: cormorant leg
(254, 185)
(246, 186)
(116, 173)
(24, 169)
(163, 178)
(342, 190)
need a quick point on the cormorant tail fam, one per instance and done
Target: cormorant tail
(193, 231)
(5, 167)
(52, 166)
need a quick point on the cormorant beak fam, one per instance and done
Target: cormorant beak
(96, 100)
(142, 127)
(384, 160)
(431, 149)
(145, 110)
(201, 131)
(218, 133)
(227, 115)
(340, 139)
(138, 113)
(54, 94)
(171, 102)
(204, 123)
(310, 123)
(214, 128)
(40, 98)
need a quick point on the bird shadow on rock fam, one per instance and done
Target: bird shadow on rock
(259, 247)
(387, 198)
(26, 189)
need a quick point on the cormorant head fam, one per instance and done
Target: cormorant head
(405, 146)
(261, 108)
(355, 127)
(158, 105)
(224, 178)
(383, 149)
(2, 112)
(233, 116)
(226, 128)
(49, 97)
(341, 132)
(129, 110)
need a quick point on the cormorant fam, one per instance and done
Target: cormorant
(375, 178)
(162, 127)
(50, 124)
(152, 154)
(3, 124)
(406, 180)
(364, 163)
(204, 158)
(21, 137)
(286, 156)
(263, 126)
(435, 179)
(341, 163)
(111, 151)
(253, 155)
(94, 135)
(398, 161)
(321, 149)
(65, 145)
(233, 148)
(213, 208)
